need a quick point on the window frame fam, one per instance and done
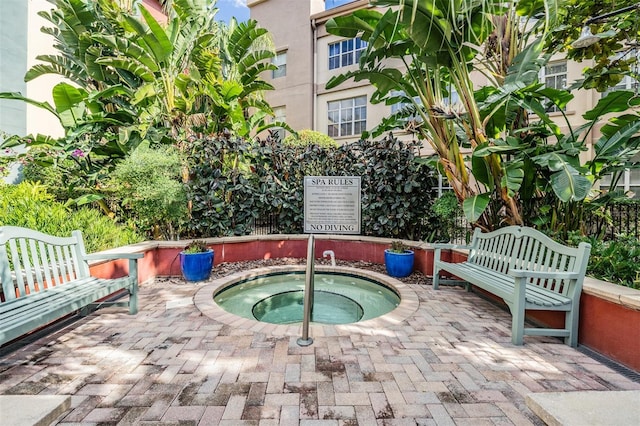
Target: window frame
(349, 116)
(345, 52)
(282, 65)
(545, 74)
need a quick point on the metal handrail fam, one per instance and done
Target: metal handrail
(305, 340)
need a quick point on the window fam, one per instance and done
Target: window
(347, 117)
(346, 52)
(629, 181)
(554, 75)
(628, 82)
(330, 4)
(280, 61)
(279, 115)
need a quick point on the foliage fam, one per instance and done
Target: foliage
(613, 56)
(224, 195)
(196, 246)
(30, 205)
(134, 79)
(438, 43)
(398, 246)
(521, 171)
(395, 188)
(446, 212)
(310, 137)
(232, 182)
(149, 186)
(616, 261)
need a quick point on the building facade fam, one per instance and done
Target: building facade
(308, 56)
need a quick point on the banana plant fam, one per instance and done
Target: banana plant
(438, 42)
(94, 139)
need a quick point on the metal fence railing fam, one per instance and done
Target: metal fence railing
(622, 218)
(265, 224)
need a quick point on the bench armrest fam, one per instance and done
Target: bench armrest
(113, 256)
(519, 273)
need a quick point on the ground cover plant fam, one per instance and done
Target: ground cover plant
(30, 205)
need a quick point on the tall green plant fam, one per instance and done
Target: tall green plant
(135, 79)
(516, 162)
(438, 42)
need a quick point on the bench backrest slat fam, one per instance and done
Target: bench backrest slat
(37, 267)
(53, 263)
(31, 261)
(17, 266)
(516, 247)
(42, 249)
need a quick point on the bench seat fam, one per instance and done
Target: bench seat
(45, 278)
(527, 270)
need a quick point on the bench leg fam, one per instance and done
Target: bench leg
(133, 289)
(133, 299)
(571, 324)
(436, 269)
(517, 312)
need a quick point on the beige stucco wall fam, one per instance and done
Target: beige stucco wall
(290, 26)
(38, 120)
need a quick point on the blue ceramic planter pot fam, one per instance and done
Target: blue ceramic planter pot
(196, 266)
(399, 264)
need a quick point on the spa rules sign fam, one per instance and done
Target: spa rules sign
(332, 204)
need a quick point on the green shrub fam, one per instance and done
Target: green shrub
(310, 137)
(444, 217)
(62, 179)
(616, 261)
(30, 205)
(232, 182)
(149, 186)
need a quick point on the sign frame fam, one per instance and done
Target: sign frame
(332, 204)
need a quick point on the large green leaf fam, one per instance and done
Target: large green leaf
(127, 48)
(473, 207)
(526, 65)
(384, 79)
(615, 101)
(361, 21)
(69, 103)
(157, 40)
(485, 150)
(569, 185)
(130, 65)
(513, 176)
(566, 181)
(18, 97)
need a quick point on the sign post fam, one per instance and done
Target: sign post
(332, 204)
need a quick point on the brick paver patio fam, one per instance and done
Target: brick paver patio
(451, 362)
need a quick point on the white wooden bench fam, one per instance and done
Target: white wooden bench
(45, 278)
(527, 270)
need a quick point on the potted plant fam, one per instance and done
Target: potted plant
(398, 260)
(196, 261)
